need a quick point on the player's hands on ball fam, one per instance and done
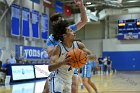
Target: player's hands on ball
(67, 60)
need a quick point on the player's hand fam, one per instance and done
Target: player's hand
(67, 60)
(92, 57)
(78, 2)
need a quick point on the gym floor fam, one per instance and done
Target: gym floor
(120, 82)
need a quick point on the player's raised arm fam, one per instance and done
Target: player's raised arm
(83, 20)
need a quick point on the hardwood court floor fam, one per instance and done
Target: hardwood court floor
(121, 82)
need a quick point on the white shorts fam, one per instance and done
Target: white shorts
(60, 86)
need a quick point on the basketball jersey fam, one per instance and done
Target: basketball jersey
(86, 70)
(64, 72)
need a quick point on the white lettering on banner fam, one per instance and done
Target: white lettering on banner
(25, 53)
(32, 53)
(39, 53)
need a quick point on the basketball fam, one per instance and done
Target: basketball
(78, 58)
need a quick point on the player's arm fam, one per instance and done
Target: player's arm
(87, 51)
(83, 20)
(50, 50)
(54, 64)
(50, 46)
(83, 47)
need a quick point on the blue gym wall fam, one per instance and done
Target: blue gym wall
(124, 60)
(125, 55)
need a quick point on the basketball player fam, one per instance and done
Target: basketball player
(86, 77)
(51, 42)
(61, 83)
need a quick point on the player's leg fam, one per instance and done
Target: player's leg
(46, 87)
(80, 82)
(87, 85)
(92, 85)
(86, 73)
(89, 78)
(74, 85)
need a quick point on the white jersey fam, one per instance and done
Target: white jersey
(64, 72)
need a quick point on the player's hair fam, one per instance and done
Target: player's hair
(59, 29)
(55, 17)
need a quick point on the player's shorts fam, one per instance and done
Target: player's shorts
(76, 72)
(60, 86)
(86, 71)
(50, 77)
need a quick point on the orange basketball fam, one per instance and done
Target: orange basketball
(78, 58)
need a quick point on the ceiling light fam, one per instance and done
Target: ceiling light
(132, 1)
(88, 3)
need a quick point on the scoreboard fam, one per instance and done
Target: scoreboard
(129, 29)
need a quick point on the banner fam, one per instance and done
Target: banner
(67, 10)
(25, 22)
(29, 52)
(15, 20)
(41, 71)
(35, 24)
(22, 72)
(59, 7)
(44, 26)
(36, 1)
(19, 51)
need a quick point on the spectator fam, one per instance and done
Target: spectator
(105, 65)
(1, 67)
(109, 64)
(2, 72)
(5, 65)
(100, 60)
(12, 60)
